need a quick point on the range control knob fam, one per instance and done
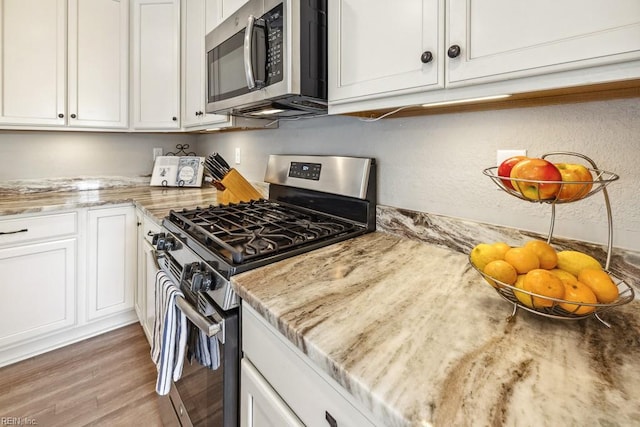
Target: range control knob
(196, 282)
(169, 243)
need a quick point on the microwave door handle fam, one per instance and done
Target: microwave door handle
(248, 48)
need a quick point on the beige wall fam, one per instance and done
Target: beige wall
(434, 163)
(26, 155)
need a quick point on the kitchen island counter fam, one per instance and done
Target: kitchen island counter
(416, 336)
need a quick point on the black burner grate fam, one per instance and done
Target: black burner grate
(247, 231)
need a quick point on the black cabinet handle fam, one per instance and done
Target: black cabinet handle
(61, 116)
(332, 421)
(426, 57)
(454, 51)
(24, 230)
(73, 116)
(175, 119)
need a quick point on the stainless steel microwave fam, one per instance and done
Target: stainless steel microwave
(269, 59)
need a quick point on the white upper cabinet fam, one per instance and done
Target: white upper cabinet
(156, 64)
(198, 18)
(477, 48)
(99, 63)
(380, 47)
(33, 61)
(501, 39)
(64, 63)
(227, 7)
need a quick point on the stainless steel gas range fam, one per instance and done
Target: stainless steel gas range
(314, 201)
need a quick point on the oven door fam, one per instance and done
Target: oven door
(205, 397)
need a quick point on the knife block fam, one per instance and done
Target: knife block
(237, 189)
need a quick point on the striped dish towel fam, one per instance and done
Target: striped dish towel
(205, 350)
(169, 334)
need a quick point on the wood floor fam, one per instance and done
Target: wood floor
(107, 380)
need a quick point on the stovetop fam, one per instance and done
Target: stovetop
(245, 234)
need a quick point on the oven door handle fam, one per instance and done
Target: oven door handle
(201, 322)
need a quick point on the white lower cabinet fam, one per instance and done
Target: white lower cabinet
(147, 269)
(112, 259)
(260, 405)
(281, 386)
(64, 277)
(37, 290)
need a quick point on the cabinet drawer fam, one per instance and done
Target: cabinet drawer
(312, 396)
(24, 229)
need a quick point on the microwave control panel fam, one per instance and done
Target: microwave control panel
(275, 43)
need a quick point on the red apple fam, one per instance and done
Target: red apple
(577, 181)
(504, 170)
(535, 172)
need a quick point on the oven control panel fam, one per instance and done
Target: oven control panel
(305, 170)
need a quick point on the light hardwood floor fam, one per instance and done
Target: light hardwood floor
(107, 380)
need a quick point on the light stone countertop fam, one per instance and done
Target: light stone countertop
(400, 319)
(419, 338)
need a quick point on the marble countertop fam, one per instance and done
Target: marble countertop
(401, 321)
(49, 196)
(416, 335)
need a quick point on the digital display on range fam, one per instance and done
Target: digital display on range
(305, 170)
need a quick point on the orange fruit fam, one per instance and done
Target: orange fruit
(578, 292)
(600, 283)
(565, 276)
(545, 252)
(542, 282)
(522, 297)
(502, 247)
(502, 271)
(522, 259)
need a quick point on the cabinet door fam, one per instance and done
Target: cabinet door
(156, 64)
(37, 290)
(227, 7)
(260, 405)
(502, 39)
(376, 48)
(98, 63)
(147, 269)
(33, 62)
(111, 257)
(195, 25)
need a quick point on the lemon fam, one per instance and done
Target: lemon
(574, 262)
(522, 297)
(482, 254)
(580, 293)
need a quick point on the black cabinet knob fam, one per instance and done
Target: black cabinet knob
(73, 116)
(175, 119)
(61, 116)
(454, 51)
(426, 57)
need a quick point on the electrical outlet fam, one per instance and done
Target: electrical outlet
(157, 152)
(237, 155)
(503, 155)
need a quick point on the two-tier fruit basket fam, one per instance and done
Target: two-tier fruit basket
(600, 180)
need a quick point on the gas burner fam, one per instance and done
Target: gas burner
(247, 231)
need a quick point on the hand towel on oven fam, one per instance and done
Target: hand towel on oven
(204, 349)
(169, 334)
